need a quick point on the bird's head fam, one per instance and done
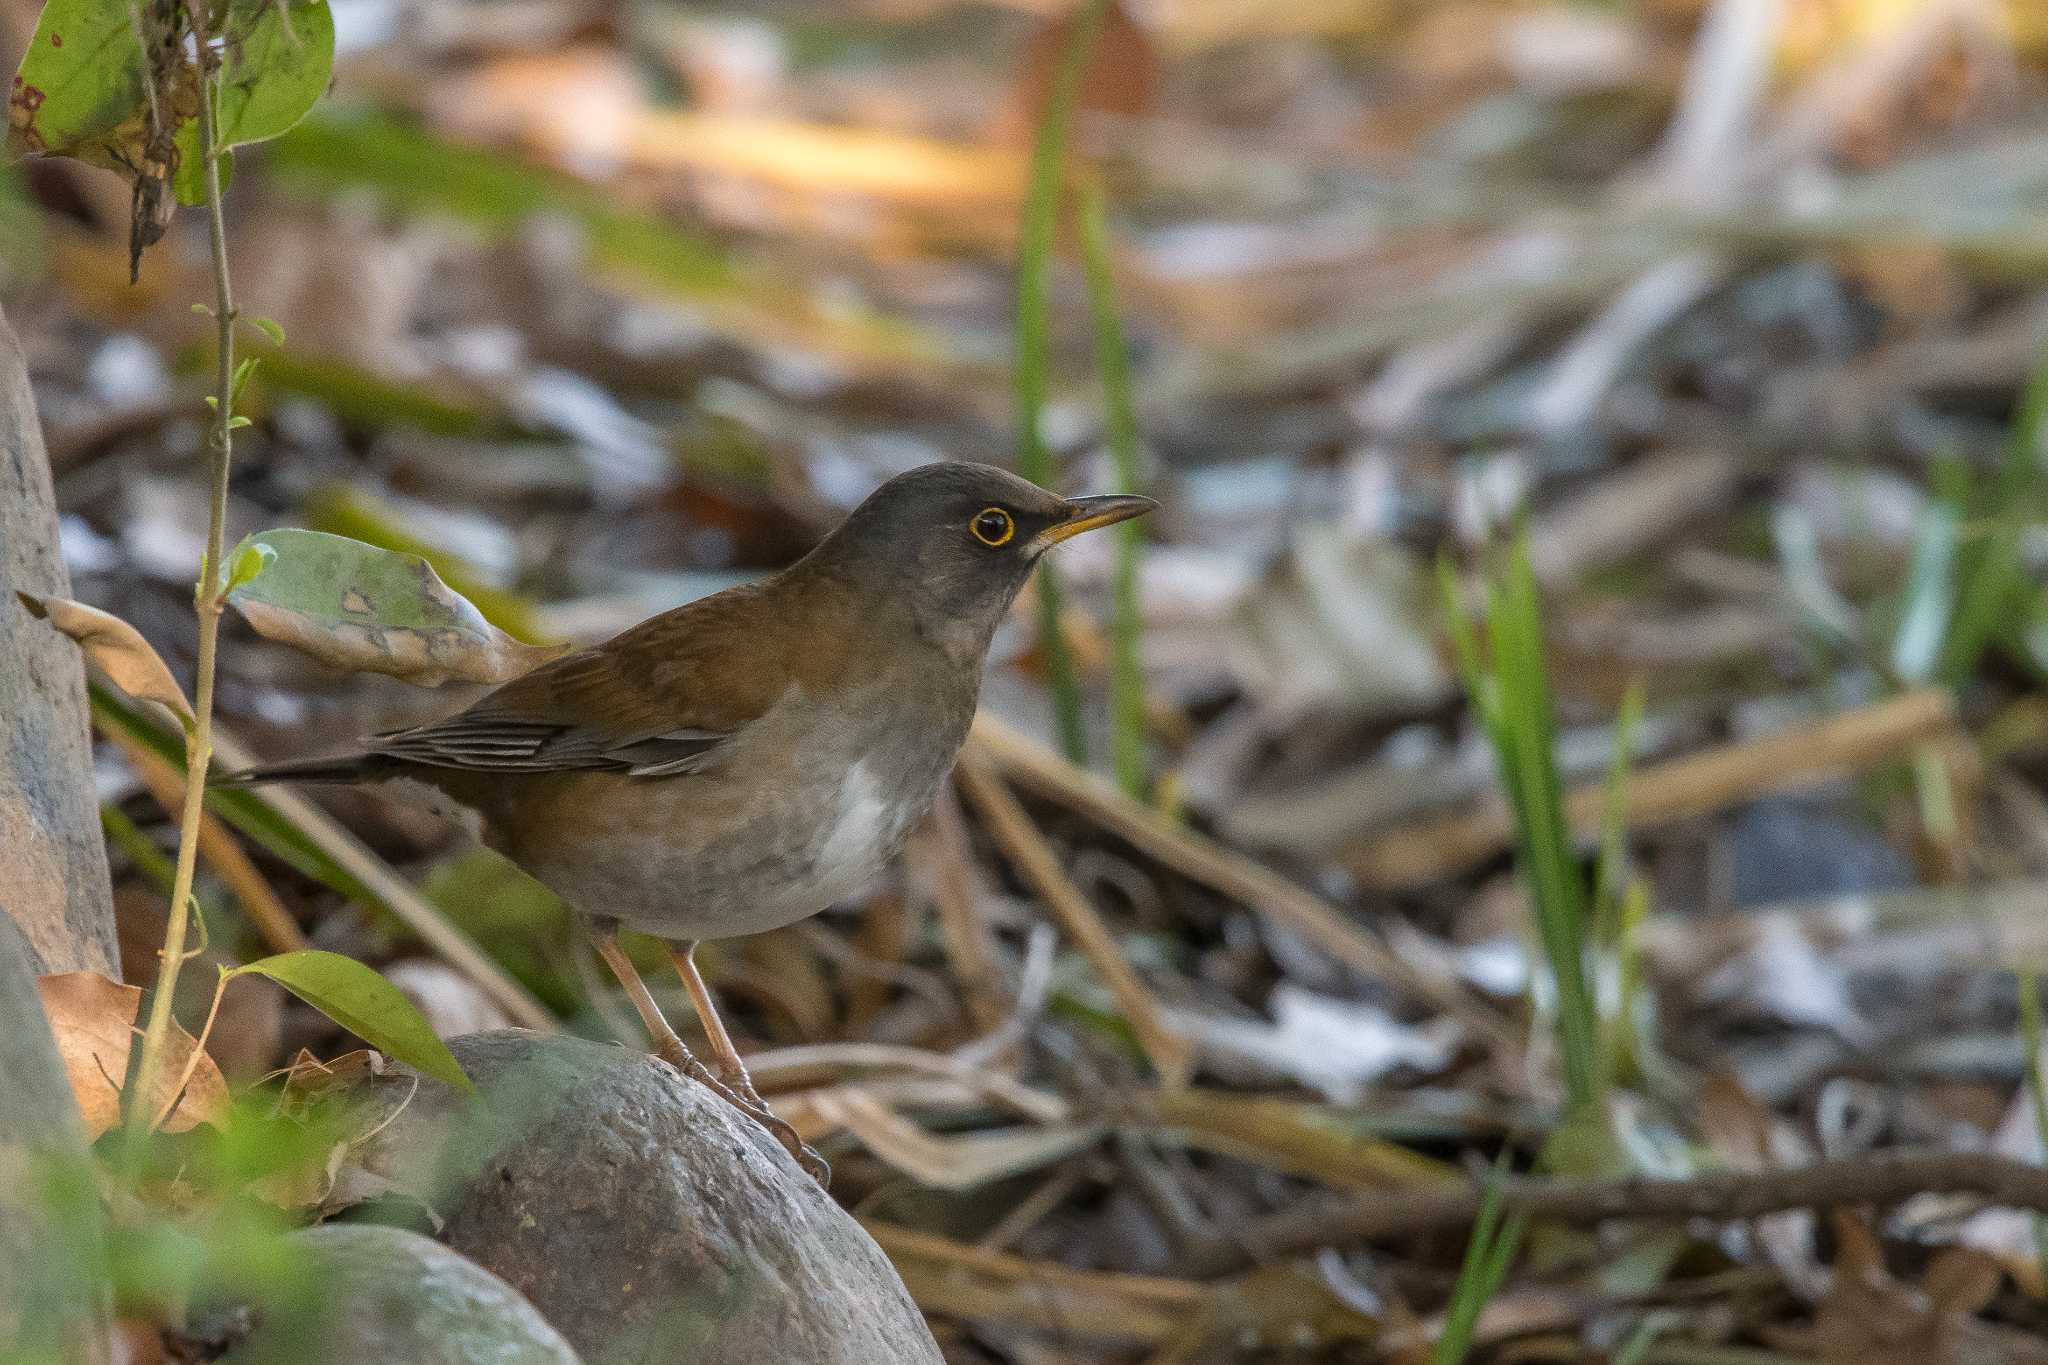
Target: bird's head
(954, 543)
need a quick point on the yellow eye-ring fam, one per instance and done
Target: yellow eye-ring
(992, 526)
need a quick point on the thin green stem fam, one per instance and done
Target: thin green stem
(199, 738)
(1035, 241)
(1120, 421)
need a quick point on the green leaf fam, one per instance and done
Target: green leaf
(241, 377)
(245, 563)
(366, 1005)
(270, 328)
(1488, 1257)
(189, 183)
(372, 610)
(276, 61)
(81, 89)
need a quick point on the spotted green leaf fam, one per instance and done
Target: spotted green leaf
(372, 610)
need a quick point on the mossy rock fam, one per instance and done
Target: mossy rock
(641, 1215)
(364, 1295)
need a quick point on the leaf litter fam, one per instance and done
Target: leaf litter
(1397, 279)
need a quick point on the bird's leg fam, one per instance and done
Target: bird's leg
(604, 936)
(668, 1047)
(732, 1071)
(724, 1056)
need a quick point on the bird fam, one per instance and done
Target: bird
(750, 758)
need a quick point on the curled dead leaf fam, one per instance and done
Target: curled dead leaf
(116, 648)
(93, 1021)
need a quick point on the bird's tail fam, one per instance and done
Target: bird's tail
(346, 768)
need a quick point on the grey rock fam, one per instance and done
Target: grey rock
(53, 858)
(368, 1295)
(642, 1216)
(53, 1288)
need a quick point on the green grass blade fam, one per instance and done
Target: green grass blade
(1120, 419)
(1488, 1257)
(1036, 238)
(1538, 792)
(1511, 692)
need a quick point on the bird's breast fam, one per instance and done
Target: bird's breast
(805, 810)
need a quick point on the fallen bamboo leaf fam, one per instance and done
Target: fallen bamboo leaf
(971, 1282)
(1882, 1177)
(371, 610)
(1695, 784)
(93, 1021)
(1170, 1054)
(939, 855)
(1260, 889)
(948, 1163)
(116, 648)
(809, 1064)
(1336, 1047)
(217, 845)
(1321, 1142)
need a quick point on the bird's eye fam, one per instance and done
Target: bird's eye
(992, 526)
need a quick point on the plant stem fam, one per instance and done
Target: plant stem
(1120, 423)
(1034, 350)
(199, 738)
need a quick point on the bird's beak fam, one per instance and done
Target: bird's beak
(1085, 514)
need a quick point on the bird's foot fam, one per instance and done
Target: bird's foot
(815, 1166)
(749, 1102)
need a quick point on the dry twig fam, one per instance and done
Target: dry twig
(1259, 888)
(1696, 784)
(1170, 1054)
(1875, 1178)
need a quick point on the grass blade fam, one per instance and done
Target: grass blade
(1036, 238)
(1488, 1256)
(1120, 419)
(1511, 692)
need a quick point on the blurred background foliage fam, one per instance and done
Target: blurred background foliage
(1730, 314)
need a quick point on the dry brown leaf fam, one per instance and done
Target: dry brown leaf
(116, 648)
(93, 1021)
(948, 1163)
(1869, 1317)
(334, 1179)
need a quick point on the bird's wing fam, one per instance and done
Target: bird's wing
(665, 699)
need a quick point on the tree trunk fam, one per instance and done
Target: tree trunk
(53, 861)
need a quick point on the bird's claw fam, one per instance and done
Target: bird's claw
(748, 1101)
